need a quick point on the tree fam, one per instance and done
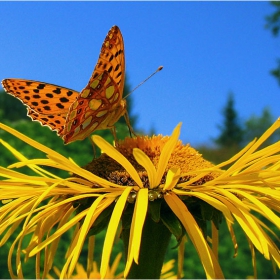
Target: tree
(11, 108)
(231, 131)
(255, 126)
(273, 23)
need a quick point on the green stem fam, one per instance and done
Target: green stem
(155, 239)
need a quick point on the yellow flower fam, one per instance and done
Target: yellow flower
(92, 272)
(81, 273)
(161, 178)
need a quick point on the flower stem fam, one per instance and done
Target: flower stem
(155, 239)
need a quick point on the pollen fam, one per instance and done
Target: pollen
(184, 156)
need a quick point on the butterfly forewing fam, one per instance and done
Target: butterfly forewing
(111, 58)
(100, 104)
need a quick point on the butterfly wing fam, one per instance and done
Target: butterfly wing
(111, 59)
(46, 103)
(54, 122)
(75, 116)
(94, 110)
(100, 103)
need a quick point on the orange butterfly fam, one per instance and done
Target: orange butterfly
(76, 115)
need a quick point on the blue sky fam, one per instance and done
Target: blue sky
(208, 49)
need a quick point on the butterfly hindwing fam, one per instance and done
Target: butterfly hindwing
(94, 109)
(54, 122)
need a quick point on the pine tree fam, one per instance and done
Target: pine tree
(255, 126)
(231, 131)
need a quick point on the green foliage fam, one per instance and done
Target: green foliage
(273, 23)
(276, 71)
(255, 126)
(231, 131)
(252, 128)
(11, 108)
(235, 134)
(217, 155)
(233, 267)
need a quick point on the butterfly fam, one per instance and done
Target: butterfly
(73, 115)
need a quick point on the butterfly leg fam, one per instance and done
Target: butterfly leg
(131, 131)
(113, 130)
(93, 147)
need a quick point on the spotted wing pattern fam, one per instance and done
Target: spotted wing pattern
(100, 104)
(46, 103)
(54, 122)
(76, 115)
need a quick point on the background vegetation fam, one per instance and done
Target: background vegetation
(234, 134)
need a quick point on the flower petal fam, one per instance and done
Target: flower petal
(145, 161)
(118, 157)
(30, 141)
(21, 157)
(112, 229)
(195, 234)
(166, 153)
(138, 219)
(173, 175)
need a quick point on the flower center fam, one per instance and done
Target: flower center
(183, 156)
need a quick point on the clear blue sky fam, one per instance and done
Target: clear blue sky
(207, 49)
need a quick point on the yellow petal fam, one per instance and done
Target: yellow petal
(118, 157)
(173, 175)
(138, 219)
(112, 229)
(88, 222)
(181, 211)
(166, 153)
(145, 161)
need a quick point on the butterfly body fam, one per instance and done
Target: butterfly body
(73, 115)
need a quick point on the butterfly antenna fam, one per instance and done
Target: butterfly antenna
(160, 68)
